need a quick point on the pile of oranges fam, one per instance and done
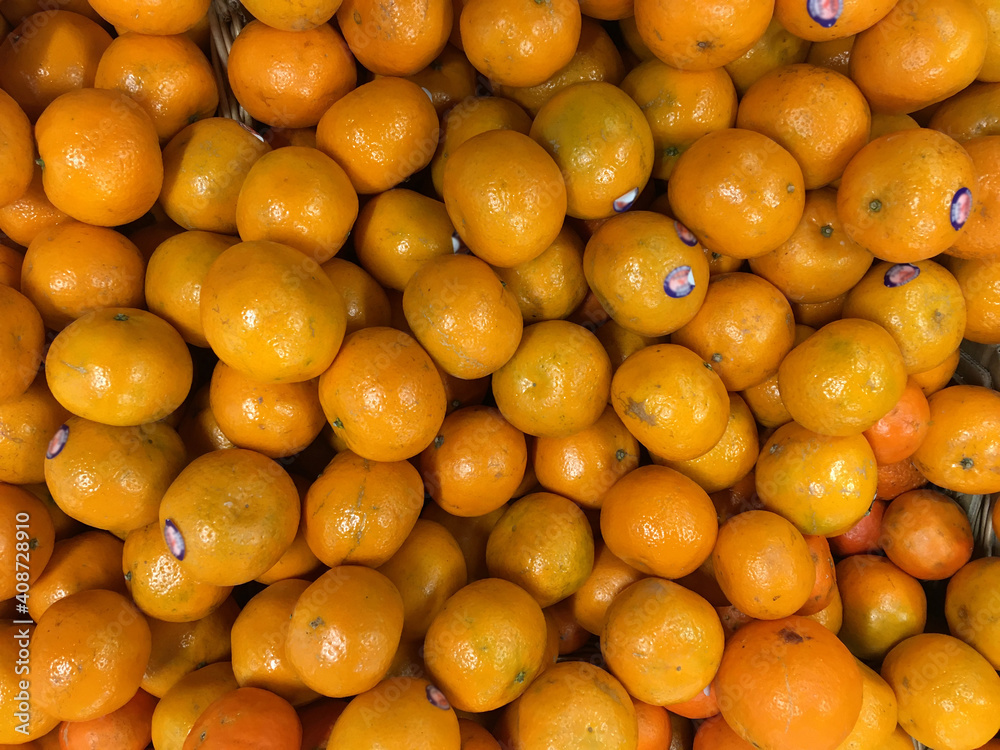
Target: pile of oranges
(533, 374)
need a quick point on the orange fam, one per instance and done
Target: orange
(148, 237)
(288, 79)
(919, 55)
(505, 196)
(157, 583)
(789, 684)
(969, 113)
(898, 434)
(475, 737)
(961, 451)
(126, 728)
(883, 124)
(608, 577)
(396, 40)
(168, 76)
(152, 16)
(671, 401)
(89, 560)
(877, 720)
(298, 196)
(976, 241)
(827, 21)
(978, 279)
(655, 626)
(825, 584)
(936, 378)
(475, 463)
(380, 133)
(882, 605)
(763, 565)
(574, 704)
(365, 302)
(200, 430)
(927, 534)
(72, 268)
(109, 477)
(570, 635)
(775, 48)
(934, 676)
(506, 620)
(174, 277)
(699, 102)
(94, 364)
(15, 11)
(820, 313)
(448, 79)
(359, 511)
(396, 231)
(967, 606)
(383, 395)
(271, 313)
(694, 35)
(27, 423)
(11, 261)
(744, 329)
(88, 654)
(181, 706)
(22, 338)
(740, 193)
(515, 44)
(620, 343)
(655, 732)
(17, 150)
(246, 717)
(179, 647)
(600, 140)
(895, 479)
(57, 51)
(823, 484)
(842, 379)
(318, 719)
(829, 124)
(298, 561)
(27, 539)
(204, 167)
(398, 712)
(658, 521)
(717, 735)
(22, 219)
(23, 719)
(991, 66)
(463, 315)
(80, 137)
(647, 271)
(215, 539)
(293, 16)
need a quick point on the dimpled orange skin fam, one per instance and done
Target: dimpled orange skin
(84, 665)
(152, 16)
(399, 39)
(380, 133)
(270, 312)
(22, 338)
(22, 219)
(979, 280)
(449, 79)
(119, 366)
(463, 315)
(979, 238)
(967, 600)
(916, 172)
(247, 717)
(854, 17)
(741, 193)
(775, 48)
(662, 641)
(969, 114)
(293, 15)
(30, 543)
(961, 451)
(81, 137)
(16, 150)
(628, 262)
(27, 423)
(556, 383)
(919, 54)
(843, 378)
(671, 401)
(204, 167)
(383, 395)
(819, 115)
(695, 35)
(822, 484)
(224, 543)
(601, 141)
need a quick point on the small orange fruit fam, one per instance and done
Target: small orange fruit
(22, 219)
(22, 338)
(181, 706)
(936, 378)
(879, 710)
(299, 16)
(823, 22)
(396, 40)
(826, 576)
(967, 603)
(976, 241)
(979, 280)
(246, 717)
(17, 150)
(448, 79)
(927, 534)
(27, 424)
(27, 537)
(18, 726)
(152, 16)
(365, 302)
(125, 728)
(775, 48)
(608, 578)
(898, 434)
(89, 560)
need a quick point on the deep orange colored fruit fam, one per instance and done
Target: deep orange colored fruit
(821, 23)
(898, 434)
(17, 150)
(975, 241)
(22, 337)
(27, 424)
(126, 728)
(927, 534)
(181, 706)
(966, 606)
(248, 717)
(89, 560)
(776, 47)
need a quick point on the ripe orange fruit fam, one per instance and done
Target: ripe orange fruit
(823, 484)
(700, 36)
(127, 728)
(299, 16)
(215, 539)
(927, 534)
(120, 494)
(963, 116)
(655, 626)
(365, 302)
(22, 336)
(879, 710)
(506, 620)
(675, 423)
(822, 22)
(94, 365)
(17, 150)
(80, 139)
(961, 451)
(380, 133)
(717, 735)
(826, 576)
(152, 16)
(898, 434)
(27, 539)
(399, 40)
(818, 314)
(448, 79)
(383, 395)
(979, 280)
(88, 655)
(181, 706)
(789, 684)
(601, 142)
(882, 605)
(204, 167)
(168, 76)
(608, 577)
(556, 383)
(647, 271)
(975, 241)
(895, 479)
(246, 717)
(774, 48)
(936, 378)
(967, 601)
(359, 512)
(21, 220)
(919, 55)
(864, 362)
(738, 191)
(934, 676)
(18, 726)
(89, 560)
(27, 423)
